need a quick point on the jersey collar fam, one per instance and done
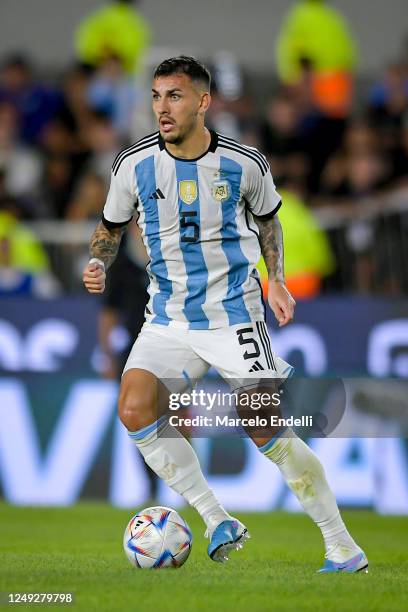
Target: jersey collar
(211, 149)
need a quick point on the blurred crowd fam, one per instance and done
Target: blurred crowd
(333, 143)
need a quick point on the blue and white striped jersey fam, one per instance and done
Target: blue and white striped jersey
(196, 219)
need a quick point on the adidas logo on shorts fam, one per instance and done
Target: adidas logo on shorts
(256, 367)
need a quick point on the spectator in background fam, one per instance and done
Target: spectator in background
(360, 168)
(400, 156)
(21, 167)
(388, 111)
(365, 174)
(389, 98)
(355, 177)
(88, 198)
(64, 142)
(112, 92)
(308, 256)
(78, 168)
(24, 264)
(101, 141)
(34, 103)
(316, 58)
(61, 167)
(102, 144)
(75, 110)
(116, 30)
(280, 140)
(56, 186)
(316, 37)
(229, 107)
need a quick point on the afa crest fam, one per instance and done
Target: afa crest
(188, 191)
(221, 190)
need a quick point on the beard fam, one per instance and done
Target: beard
(180, 134)
(173, 138)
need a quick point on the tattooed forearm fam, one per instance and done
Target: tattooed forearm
(105, 243)
(271, 240)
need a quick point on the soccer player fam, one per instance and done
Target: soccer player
(206, 207)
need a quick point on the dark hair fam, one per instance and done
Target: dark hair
(184, 65)
(17, 60)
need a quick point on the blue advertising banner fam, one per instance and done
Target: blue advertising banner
(60, 439)
(334, 334)
(48, 335)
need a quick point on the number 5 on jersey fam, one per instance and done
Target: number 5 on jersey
(189, 230)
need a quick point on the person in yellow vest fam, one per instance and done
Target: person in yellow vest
(308, 257)
(315, 37)
(116, 30)
(24, 264)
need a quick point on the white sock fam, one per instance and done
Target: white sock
(305, 476)
(173, 459)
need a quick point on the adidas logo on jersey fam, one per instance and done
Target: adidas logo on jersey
(256, 367)
(157, 195)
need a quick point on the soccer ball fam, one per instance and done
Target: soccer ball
(157, 537)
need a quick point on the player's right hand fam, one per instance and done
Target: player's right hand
(94, 277)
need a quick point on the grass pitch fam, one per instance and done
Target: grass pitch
(79, 549)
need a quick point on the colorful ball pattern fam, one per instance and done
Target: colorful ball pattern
(157, 537)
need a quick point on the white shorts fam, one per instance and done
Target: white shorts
(238, 353)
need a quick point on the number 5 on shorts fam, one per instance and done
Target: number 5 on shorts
(242, 340)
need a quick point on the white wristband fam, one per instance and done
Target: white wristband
(100, 263)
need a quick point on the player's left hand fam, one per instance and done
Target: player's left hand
(281, 302)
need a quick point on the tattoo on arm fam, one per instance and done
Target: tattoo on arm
(271, 241)
(105, 243)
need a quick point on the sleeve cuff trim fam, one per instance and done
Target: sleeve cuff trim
(270, 214)
(112, 224)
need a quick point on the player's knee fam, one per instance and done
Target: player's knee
(136, 408)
